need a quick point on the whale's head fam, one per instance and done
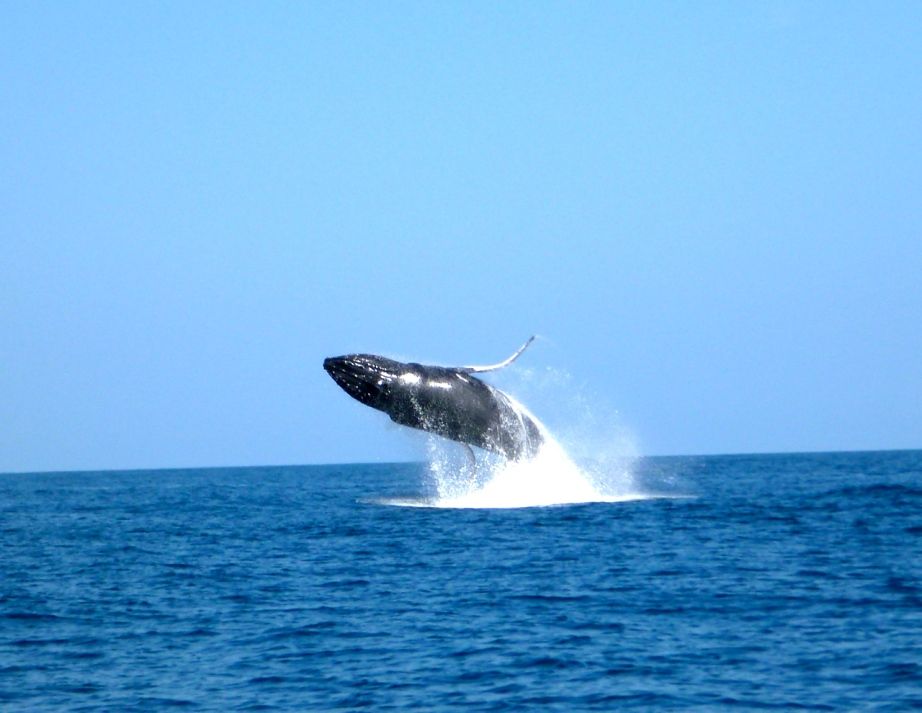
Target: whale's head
(371, 379)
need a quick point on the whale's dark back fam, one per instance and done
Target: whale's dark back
(449, 402)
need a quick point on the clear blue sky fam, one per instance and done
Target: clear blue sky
(713, 212)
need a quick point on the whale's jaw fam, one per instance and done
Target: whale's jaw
(365, 377)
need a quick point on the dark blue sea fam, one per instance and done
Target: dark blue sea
(789, 582)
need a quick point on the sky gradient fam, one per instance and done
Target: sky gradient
(711, 212)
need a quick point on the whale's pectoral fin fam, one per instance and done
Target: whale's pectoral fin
(494, 367)
(470, 455)
(472, 465)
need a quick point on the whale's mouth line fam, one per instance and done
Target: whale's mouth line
(350, 378)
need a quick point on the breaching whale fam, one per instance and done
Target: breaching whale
(448, 401)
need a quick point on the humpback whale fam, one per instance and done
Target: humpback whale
(448, 401)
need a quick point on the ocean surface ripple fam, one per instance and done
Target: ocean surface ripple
(780, 582)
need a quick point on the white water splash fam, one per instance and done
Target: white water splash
(552, 477)
(591, 460)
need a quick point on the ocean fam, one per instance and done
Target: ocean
(789, 582)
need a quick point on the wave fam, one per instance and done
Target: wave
(551, 478)
(603, 473)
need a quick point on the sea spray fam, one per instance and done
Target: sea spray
(592, 433)
(552, 477)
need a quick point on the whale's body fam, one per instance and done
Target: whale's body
(448, 401)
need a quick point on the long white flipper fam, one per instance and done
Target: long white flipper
(470, 457)
(494, 367)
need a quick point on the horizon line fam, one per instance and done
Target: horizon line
(155, 469)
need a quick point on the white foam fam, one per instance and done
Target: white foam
(550, 478)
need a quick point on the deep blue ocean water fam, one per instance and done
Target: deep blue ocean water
(783, 581)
